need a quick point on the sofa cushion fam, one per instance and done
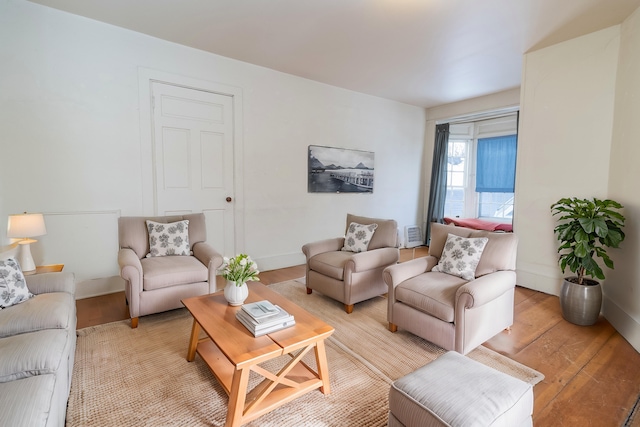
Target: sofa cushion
(13, 287)
(168, 239)
(161, 272)
(432, 293)
(439, 234)
(27, 402)
(330, 263)
(358, 237)
(55, 310)
(386, 235)
(35, 353)
(461, 256)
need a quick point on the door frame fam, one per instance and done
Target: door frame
(146, 77)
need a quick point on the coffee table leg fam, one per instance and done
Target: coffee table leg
(237, 397)
(323, 367)
(193, 342)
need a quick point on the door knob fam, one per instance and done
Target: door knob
(229, 199)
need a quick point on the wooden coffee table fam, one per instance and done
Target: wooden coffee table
(232, 352)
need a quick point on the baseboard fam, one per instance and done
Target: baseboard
(280, 261)
(538, 280)
(96, 287)
(628, 327)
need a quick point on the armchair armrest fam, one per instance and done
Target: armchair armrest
(321, 246)
(375, 258)
(51, 282)
(206, 254)
(484, 289)
(131, 272)
(396, 274)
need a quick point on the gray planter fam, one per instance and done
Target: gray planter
(581, 303)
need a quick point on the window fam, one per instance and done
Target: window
(481, 165)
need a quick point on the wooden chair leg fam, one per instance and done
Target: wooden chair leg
(309, 290)
(393, 327)
(348, 308)
(134, 322)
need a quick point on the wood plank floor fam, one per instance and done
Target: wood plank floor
(592, 375)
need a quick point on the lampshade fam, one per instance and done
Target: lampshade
(26, 225)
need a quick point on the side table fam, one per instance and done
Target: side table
(51, 268)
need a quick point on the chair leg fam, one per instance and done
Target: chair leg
(309, 290)
(134, 322)
(348, 308)
(393, 327)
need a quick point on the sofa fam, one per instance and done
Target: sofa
(37, 348)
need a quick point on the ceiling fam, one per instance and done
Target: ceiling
(420, 52)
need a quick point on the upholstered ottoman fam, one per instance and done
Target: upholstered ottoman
(454, 390)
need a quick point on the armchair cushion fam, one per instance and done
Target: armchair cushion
(432, 293)
(461, 256)
(330, 263)
(161, 272)
(168, 239)
(358, 237)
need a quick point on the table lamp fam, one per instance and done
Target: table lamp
(24, 226)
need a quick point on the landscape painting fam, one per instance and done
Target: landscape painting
(339, 170)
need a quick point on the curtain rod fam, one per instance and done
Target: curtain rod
(476, 117)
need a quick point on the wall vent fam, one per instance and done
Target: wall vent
(412, 236)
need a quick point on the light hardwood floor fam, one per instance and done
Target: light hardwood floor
(592, 375)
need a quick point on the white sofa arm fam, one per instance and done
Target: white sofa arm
(51, 282)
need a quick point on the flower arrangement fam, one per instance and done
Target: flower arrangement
(239, 269)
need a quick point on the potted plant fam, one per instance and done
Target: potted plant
(586, 229)
(238, 271)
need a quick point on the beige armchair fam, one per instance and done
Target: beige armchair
(449, 311)
(351, 277)
(159, 283)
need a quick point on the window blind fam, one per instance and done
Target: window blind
(496, 164)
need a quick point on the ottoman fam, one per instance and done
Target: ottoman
(454, 390)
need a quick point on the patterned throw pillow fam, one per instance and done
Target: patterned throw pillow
(358, 237)
(461, 256)
(13, 287)
(168, 239)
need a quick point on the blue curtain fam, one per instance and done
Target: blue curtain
(438, 188)
(496, 164)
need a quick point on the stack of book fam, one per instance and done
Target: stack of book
(262, 317)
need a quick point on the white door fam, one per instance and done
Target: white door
(193, 158)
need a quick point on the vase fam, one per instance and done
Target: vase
(581, 304)
(234, 294)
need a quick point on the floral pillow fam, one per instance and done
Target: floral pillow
(13, 287)
(461, 256)
(168, 239)
(358, 237)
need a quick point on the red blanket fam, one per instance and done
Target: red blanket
(479, 224)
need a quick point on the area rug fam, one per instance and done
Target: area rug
(127, 377)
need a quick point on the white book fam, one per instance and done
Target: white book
(260, 309)
(266, 322)
(272, 328)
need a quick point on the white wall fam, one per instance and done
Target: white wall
(71, 142)
(622, 287)
(566, 120)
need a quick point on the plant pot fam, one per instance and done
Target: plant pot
(581, 304)
(234, 294)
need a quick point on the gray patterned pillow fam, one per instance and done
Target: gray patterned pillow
(13, 287)
(358, 237)
(168, 239)
(461, 256)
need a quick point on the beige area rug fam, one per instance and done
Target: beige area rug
(127, 377)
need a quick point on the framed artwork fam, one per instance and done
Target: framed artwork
(339, 170)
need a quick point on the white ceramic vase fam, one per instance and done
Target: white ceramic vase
(235, 295)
